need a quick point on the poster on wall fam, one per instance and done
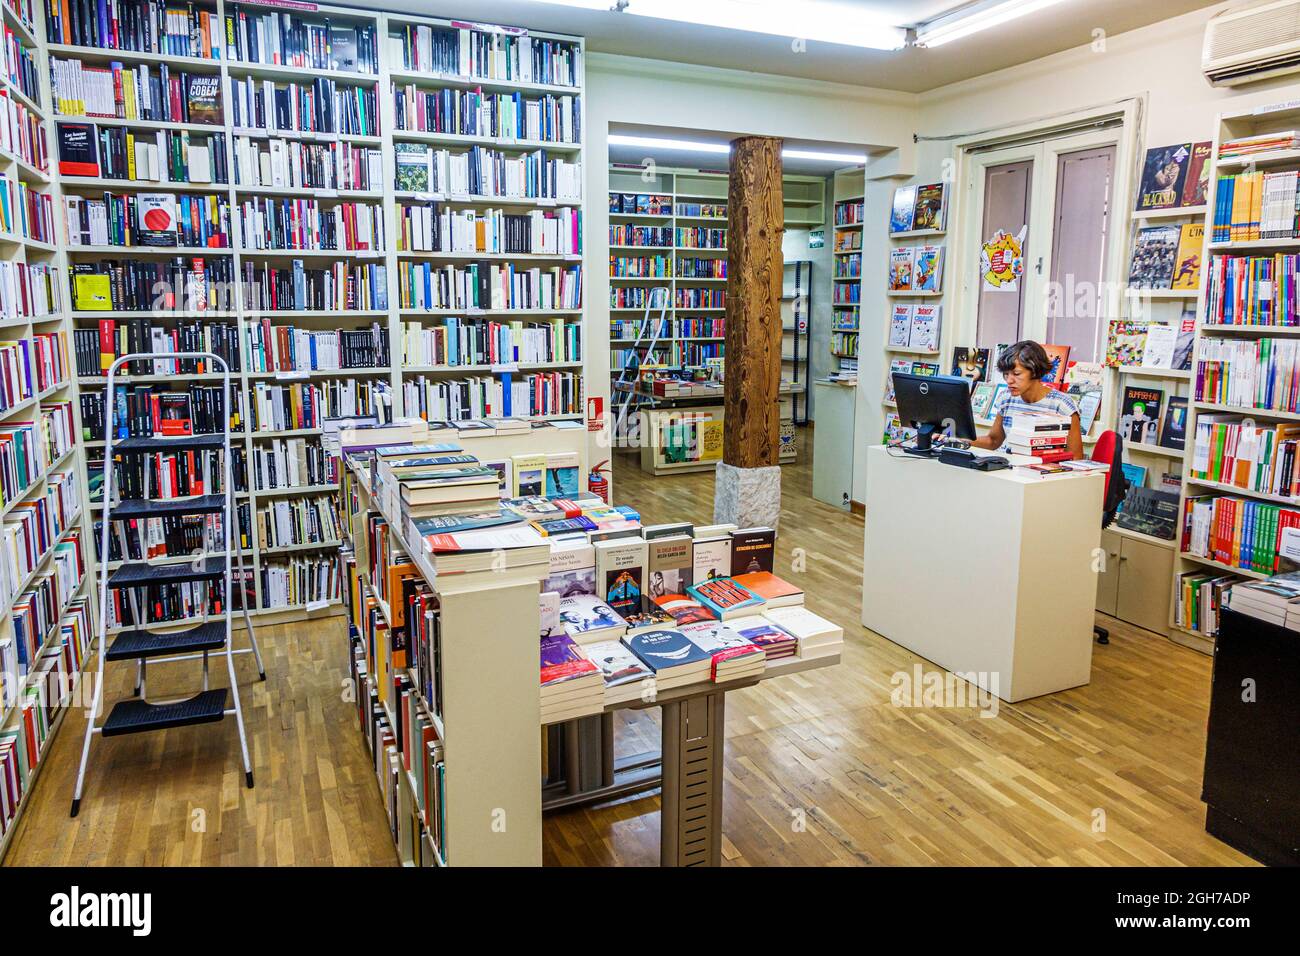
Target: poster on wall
(1002, 261)
(817, 239)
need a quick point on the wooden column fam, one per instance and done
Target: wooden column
(755, 224)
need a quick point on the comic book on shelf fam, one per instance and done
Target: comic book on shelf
(1163, 175)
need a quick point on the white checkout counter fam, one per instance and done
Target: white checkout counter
(987, 574)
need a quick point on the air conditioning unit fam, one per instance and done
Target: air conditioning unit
(1255, 43)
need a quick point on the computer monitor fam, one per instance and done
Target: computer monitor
(933, 404)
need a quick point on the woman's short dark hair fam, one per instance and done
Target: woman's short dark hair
(1030, 355)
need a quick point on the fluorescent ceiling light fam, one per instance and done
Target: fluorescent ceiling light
(655, 142)
(806, 20)
(973, 19)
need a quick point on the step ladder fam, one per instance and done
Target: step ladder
(142, 644)
(626, 400)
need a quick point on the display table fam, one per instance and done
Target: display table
(684, 432)
(992, 575)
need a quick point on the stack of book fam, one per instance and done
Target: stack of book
(671, 657)
(1042, 435)
(733, 656)
(1276, 600)
(817, 636)
(572, 686)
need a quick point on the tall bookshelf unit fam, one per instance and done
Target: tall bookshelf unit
(846, 269)
(376, 306)
(30, 243)
(380, 306)
(1232, 125)
(695, 200)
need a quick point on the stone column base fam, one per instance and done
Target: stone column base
(747, 497)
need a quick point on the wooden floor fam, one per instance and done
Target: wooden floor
(820, 768)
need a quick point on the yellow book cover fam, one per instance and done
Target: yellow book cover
(1187, 263)
(91, 292)
(130, 155)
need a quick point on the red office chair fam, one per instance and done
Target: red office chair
(1110, 449)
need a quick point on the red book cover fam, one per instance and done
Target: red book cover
(107, 338)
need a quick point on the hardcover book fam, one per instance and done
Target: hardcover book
(620, 573)
(901, 264)
(903, 210)
(1196, 185)
(1187, 261)
(1154, 251)
(1140, 414)
(203, 98)
(925, 327)
(157, 212)
(927, 272)
(1163, 176)
(752, 549)
(1173, 434)
(78, 149)
(930, 210)
(900, 325)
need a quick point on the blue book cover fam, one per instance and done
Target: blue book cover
(556, 526)
(441, 448)
(665, 648)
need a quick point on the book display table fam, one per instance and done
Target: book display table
(491, 714)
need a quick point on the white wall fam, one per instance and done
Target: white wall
(1159, 66)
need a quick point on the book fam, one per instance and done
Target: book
(1139, 419)
(903, 210)
(901, 264)
(684, 609)
(733, 657)
(1196, 184)
(981, 400)
(1173, 433)
(752, 549)
(203, 98)
(925, 328)
(1159, 349)
(930, 210)
(711, 557)
(572, 568)
(529, 475)
(649, 618)
(927, 270)
(620, 573)
(817, 636)
(1058, 357)
(1182, 359)
(588, 619)
(78, 149)
(773, 639)
(1126, 341)
(1164, 174)
(617, 664)
(671, 655)
(157, 216)
(725, 599)
(1187, 260)
(562, 661)
(970, 363)
(895, 366)
(1154, 250)
(774, 591)
(668, 566)
(900, 325)
(1149, 511)
(562, 474)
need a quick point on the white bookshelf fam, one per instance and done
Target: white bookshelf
(383, 196)
(17, 246)
(681, 189)
(1231, 125)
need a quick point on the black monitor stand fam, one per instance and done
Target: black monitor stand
(924, 447)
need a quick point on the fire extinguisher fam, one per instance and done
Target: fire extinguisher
(597, 483)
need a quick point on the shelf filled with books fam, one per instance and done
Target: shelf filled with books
(376, 214)
(1241, 489)
(919, 214)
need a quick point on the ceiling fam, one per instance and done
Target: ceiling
(693, 159)
(1069, 23)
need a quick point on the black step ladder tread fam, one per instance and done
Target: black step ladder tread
(183, 443)
(136, 644)
(141, 508)
(137, 716)
(138, 573)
